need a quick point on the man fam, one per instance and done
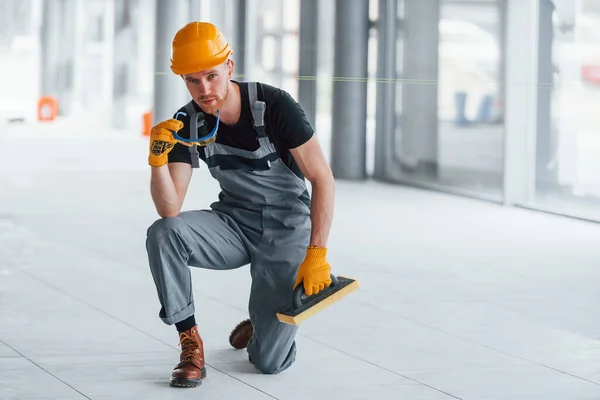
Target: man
(259, 146)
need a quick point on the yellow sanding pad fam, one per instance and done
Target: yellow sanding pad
(300, 310)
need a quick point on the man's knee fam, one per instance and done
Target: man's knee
(268, 367)
(271, 364)
(163, 227)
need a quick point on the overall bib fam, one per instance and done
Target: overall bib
(260, 219)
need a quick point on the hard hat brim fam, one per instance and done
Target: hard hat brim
(197, 67)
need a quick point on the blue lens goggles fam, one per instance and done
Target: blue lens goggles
(202, 140)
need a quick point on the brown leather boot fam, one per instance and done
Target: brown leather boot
(191, 370)
(241, 334)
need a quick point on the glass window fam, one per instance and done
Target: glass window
(449, 122)
(568, 134)
(470, 120)
(276, 45)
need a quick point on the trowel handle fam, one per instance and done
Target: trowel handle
(299, 291)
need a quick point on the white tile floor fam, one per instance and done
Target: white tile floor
(459, 299)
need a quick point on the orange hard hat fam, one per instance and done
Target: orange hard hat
(198, 46)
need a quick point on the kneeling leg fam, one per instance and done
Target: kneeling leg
(272, 348)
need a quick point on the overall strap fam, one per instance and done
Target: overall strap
(258, 110)
(196, 121)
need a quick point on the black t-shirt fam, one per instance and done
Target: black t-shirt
(286, 126)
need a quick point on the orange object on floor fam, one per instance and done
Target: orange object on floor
(47, 108)
(147, 123)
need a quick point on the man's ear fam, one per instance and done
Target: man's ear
(230, 67)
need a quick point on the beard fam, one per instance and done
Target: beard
(215, 101)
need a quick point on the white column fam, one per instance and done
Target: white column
(169, 89)
(521, 101)
(108, 42)
(79, 56)
(36, 18)
(420, 137)
(251, 67)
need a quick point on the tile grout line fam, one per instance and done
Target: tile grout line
(357, 358)
(95, 308)
(235, 308)
(384, 368)
(317, 341)
(432, 328)
(43, 369)
(481, 344)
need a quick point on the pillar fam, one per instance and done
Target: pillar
(385, 124)
(420, 99)
(169, 89)
(240, 37)
(349, 108)
(307, 68)
(546, 137)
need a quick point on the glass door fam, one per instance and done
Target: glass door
(441, 67)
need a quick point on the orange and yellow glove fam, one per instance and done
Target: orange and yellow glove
(162, 141)
(314, 271)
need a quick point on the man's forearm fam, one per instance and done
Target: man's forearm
(322, 204)
(164, 194)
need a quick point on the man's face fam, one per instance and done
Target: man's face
(209, 88)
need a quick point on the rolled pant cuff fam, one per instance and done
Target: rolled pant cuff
(180, 316)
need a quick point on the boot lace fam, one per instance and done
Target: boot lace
(190, 348)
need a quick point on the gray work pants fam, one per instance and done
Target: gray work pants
(272, 241)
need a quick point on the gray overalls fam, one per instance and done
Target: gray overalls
(259, 220)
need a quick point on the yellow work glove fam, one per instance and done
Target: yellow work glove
(162, 141)
(314, 271)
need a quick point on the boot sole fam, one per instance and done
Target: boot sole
(188, 383)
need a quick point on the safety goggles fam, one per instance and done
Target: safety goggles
(202, 141)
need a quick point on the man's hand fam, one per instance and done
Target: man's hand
(314, 271)
(162, 141)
